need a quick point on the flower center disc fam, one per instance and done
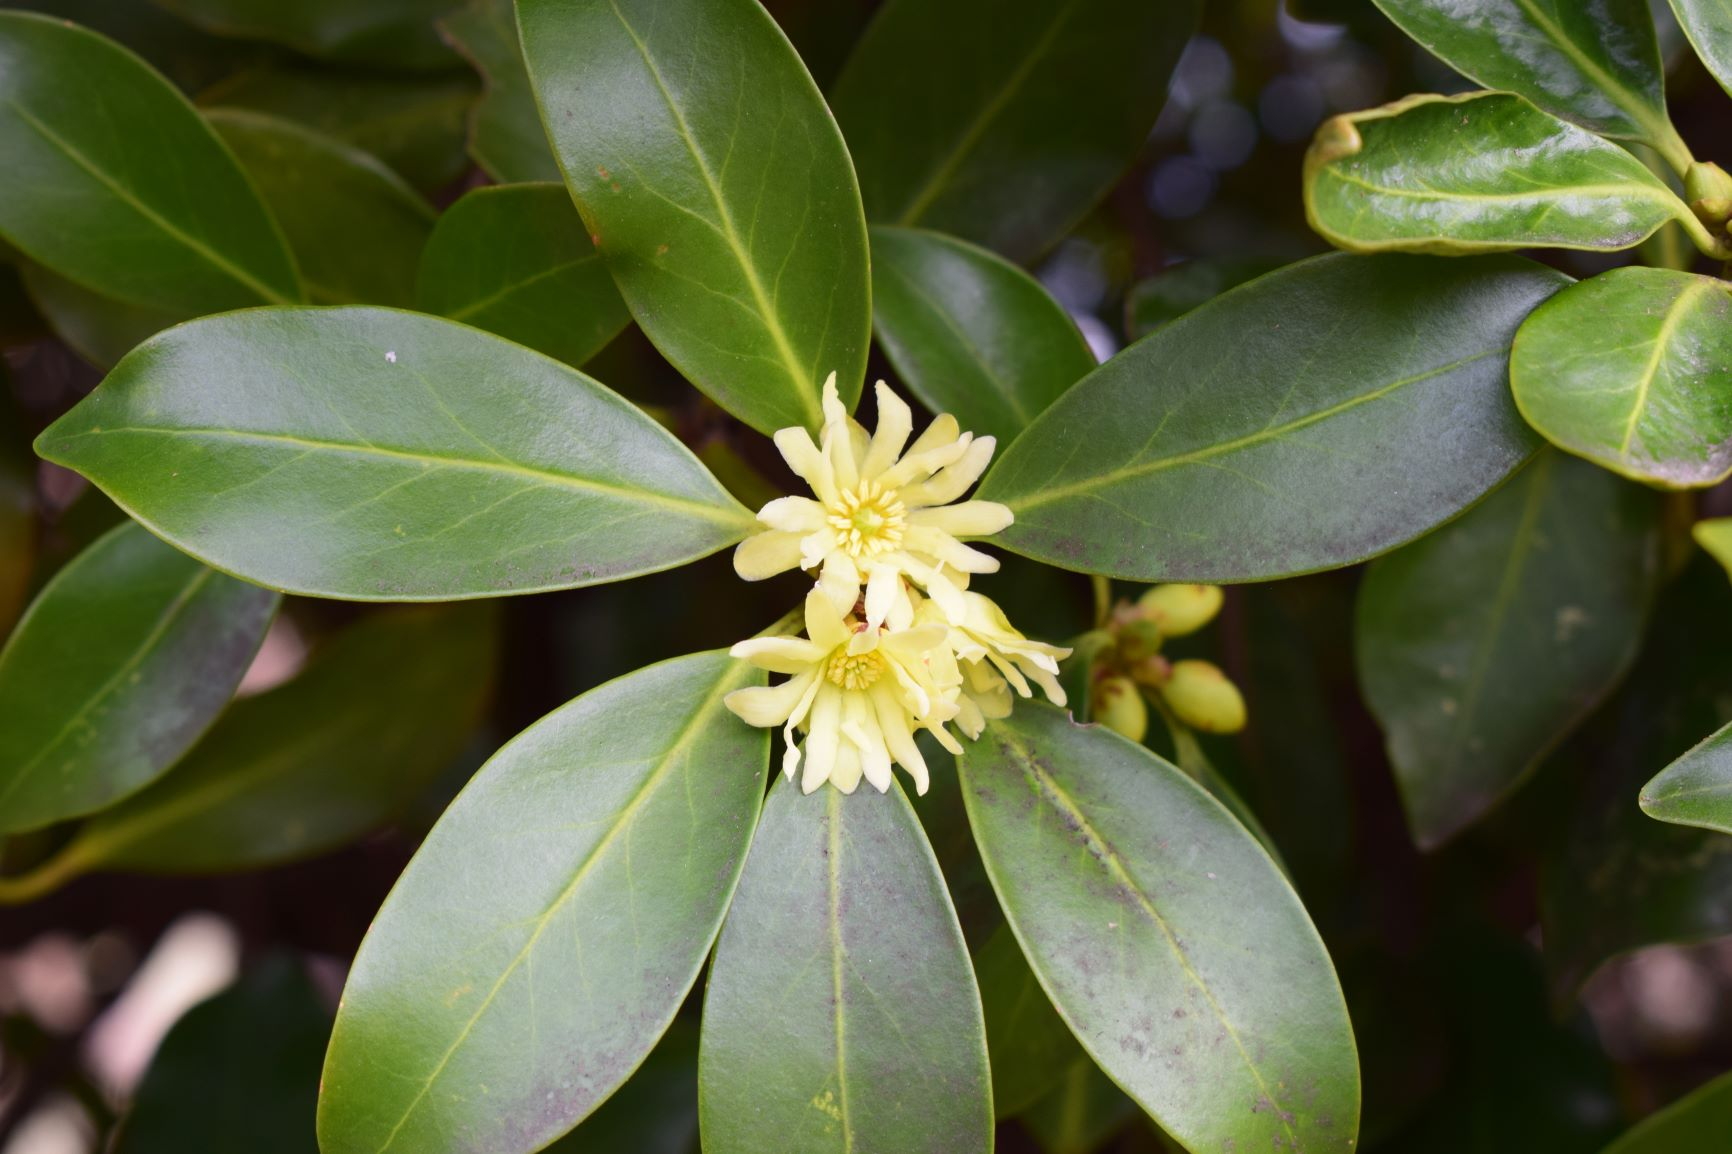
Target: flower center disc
(855, 670)
(868, 521)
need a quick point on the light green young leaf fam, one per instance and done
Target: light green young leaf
(377, 455)
(104, 157)
(356, 228)
(505, 134)
(515, 260)
(1314, 418)
(842, 1013)
(1692, 1125)
(970, 333)
(1482, 172)
(551, 924)
(1716, 537)
(120, 665)
(1165, 937)
(1593, 62)
(1005, 121)
(1697, 788)
(1480, 646)
(736, 238)
(1708, 24)
(1632, 369)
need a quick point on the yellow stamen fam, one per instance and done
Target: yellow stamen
(855, 670)
(868, 520)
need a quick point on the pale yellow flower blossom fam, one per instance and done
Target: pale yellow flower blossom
(995, 658)
(880, 514)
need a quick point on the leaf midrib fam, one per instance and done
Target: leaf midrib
(434, 460)
(834, 806)
(1662, 339)
(493, 298)
(1633, 107)
(1048, 495)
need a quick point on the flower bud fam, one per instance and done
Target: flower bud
(1200, 695)
(1181, 609)
(1119, 706)
(1139, 640)
(1709, 191)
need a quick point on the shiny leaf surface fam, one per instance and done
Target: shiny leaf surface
(120, 665)
(1594, 62)
(737, 240)
(1003, 123)
(1168, 295)
(505, 134)
(386, 33)
(1311, 419)
(515, 260)
(1164, 935)
(114, 181)
(1483, 644)
(1483, 172)
(1697, 788)
(1632, 369)
(355, 227)
(842, 1013)
(1716, 537)
(380, 455)
(970, 333)
(552, 922)
(1708, 24)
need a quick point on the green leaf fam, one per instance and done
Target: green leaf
(736, 237)
(842, 1012)
(237, 1072)
(1614, 879)
(516, 261)
(1691, 1125)
(655, 1112)
(356, 228)
(1697, 788)
(1317, 417)
(1004, 123)
(387, 33)
(414, 123)
(118, 668)
(186, 55)
(1168, 295)
(1081, 1113)
(315, 763)
(1165, 936)
(1632, 369)
(379, 455)
(1029, 1043)
(970, 333)
(113, 180)
(552, 922)
(1481, 172)
(1716, 537)
(1595, 63)
(1708, 24)
(505, 134)
(100, 329)
(1483, 644)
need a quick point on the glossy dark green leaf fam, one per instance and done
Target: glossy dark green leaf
(114, 181)
(655, 1112)
(735, 236)
(100, 329)
(505, 134)
(1483, 644)
(552, 922)
(515, 260)
(1616, 879)
(842, 1012)
(17, 509)
(1594, 62)
(1003, 123)
(970, 333)
(120, 665)
(1697, 788)
(1632, 369)
(1314, 418)
(379, 455)
(1708, 24)
(356, 228)
(1165, 936)
(414, 123)
(1029, 1043)
(315, 763)
(1481, 172)
(1165, 297)
(1716, 537)
(389, 33)
(1694, 1124)
(237, 1072)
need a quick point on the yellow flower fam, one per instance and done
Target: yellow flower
(857, 692)
(995, 658)
(881, 514)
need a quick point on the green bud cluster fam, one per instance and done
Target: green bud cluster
(1127, 666)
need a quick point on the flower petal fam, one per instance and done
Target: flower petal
(969, 519)
(824, 625)
(883, 583)
(954, 480)
(895, 422)
(823, 735)
(840, 581)
(953, 554)
(807, 461)
(767, 706)
(767, 554)
(942, 431)
(793, 514)
(780, 654)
